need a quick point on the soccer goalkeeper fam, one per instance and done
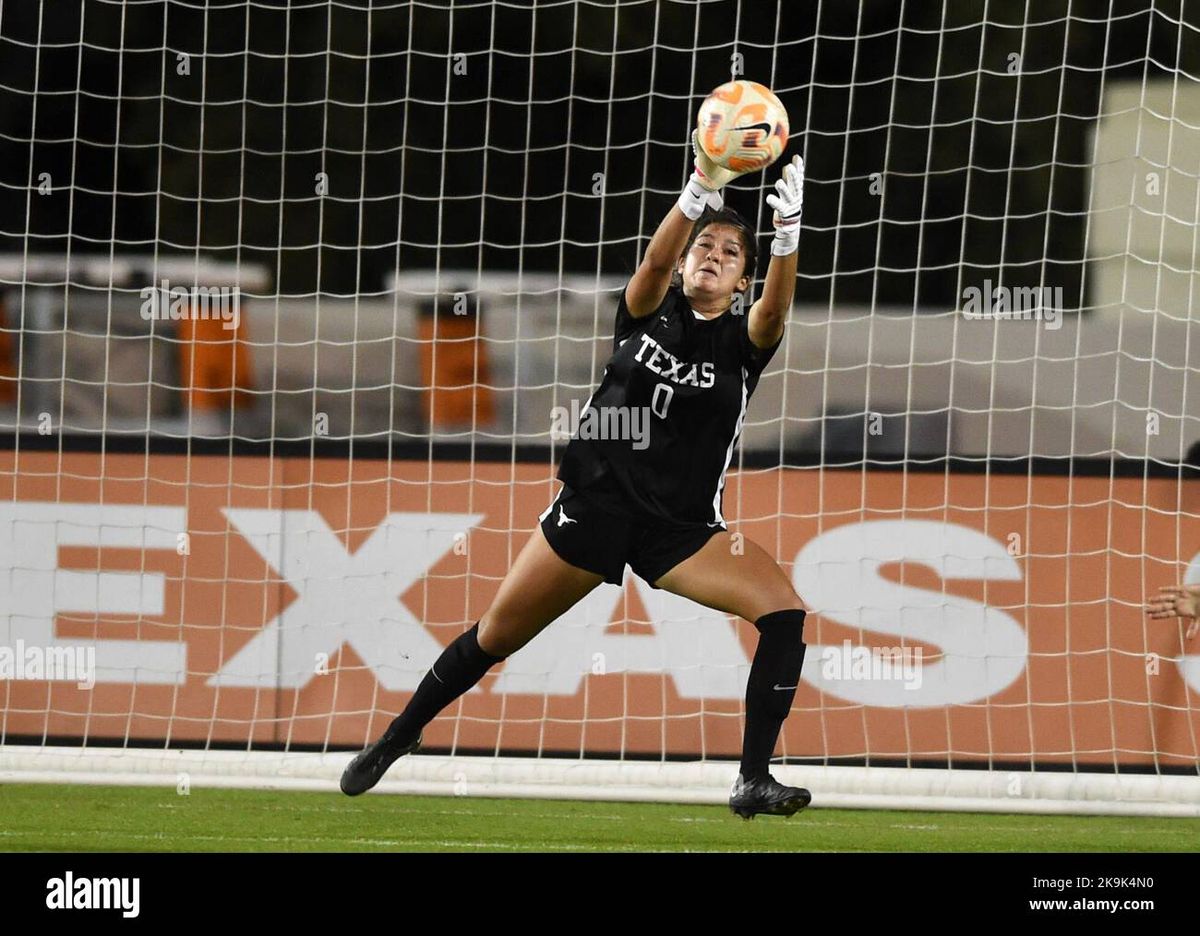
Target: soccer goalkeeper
(684, 353)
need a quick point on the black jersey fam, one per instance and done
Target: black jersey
(685, 383)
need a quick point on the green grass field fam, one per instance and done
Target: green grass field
(37, 817)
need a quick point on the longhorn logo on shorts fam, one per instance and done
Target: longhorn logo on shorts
(563, 519)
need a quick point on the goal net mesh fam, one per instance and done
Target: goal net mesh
(294, 302)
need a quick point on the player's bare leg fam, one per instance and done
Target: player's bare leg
(739, 577)
(736, 576)
(538, 588)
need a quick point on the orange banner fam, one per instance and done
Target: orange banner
(290, 601)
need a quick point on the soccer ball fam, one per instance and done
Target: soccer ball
(742, 126)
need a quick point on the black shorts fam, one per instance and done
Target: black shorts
(590, 538)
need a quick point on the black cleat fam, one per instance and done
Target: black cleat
(368, 768)
(767, 796)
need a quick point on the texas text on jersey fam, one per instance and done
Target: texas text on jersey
(691, 378)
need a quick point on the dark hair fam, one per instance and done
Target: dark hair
(745, 235)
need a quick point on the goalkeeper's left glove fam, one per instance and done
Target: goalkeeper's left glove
(788, 202)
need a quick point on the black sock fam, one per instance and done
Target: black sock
(461, 666)
(777, 663)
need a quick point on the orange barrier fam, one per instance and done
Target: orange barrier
(215, 365)
(294, 601)
(454, 367)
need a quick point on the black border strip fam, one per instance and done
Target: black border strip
(505, 452)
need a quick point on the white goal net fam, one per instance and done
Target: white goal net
(291, 299)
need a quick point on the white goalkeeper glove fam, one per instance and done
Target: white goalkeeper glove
(705, 184)
(788, 202)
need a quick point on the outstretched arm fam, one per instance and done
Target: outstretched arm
(649, 284)
(769, 313)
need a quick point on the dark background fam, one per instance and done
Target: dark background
(984, 172)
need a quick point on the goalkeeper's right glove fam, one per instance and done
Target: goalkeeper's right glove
(788, 202)
(705, 183)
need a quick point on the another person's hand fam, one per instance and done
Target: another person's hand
(1177, 601)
